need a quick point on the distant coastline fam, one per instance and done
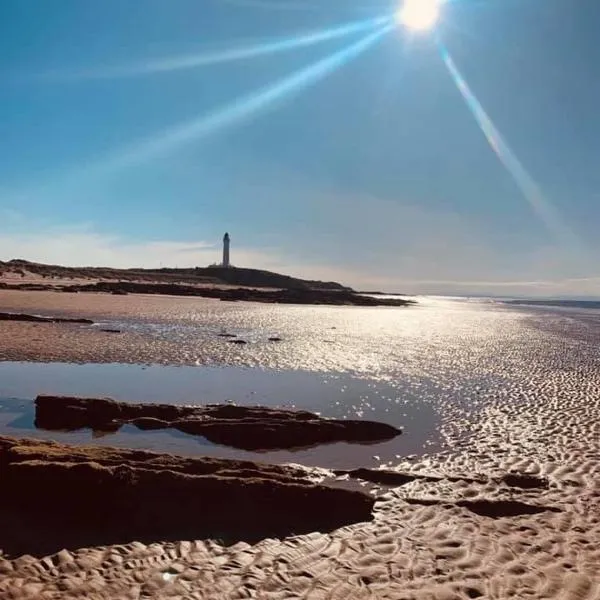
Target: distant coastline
(586, 304)
(218, 282)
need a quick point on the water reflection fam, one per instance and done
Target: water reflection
(331, 395)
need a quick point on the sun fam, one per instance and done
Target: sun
(419, 15)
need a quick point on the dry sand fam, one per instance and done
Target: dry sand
(410, 551)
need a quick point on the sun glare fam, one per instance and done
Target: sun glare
(419, 15)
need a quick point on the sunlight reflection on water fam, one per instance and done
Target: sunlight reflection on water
(429, 369)
(332, 395)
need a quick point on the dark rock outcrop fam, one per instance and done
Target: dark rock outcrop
(524, 481)
(90, 496)
(244, 427)
(37, 319)
(494, 509)
(397, 478)
(280, 296)
(302, 294)
(255, 286)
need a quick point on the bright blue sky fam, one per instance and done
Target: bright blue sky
(376, 174)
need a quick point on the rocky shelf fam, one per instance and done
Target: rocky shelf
(340, 297)
(68, 496)
(37, 319)
(243, 427)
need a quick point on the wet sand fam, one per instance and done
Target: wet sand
(50, 342)
(537, 412)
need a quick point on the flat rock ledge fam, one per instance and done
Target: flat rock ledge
(339, 297)
(37, 319)
(80, 496)
(243, 427)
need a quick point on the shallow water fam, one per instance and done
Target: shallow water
(431, 369)
(332, 395)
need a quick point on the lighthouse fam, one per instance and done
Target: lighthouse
(226, 250)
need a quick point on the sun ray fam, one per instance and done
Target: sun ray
(193, 61)
(237, 111)
(524, 181)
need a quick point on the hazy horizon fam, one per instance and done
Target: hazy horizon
(330, 144)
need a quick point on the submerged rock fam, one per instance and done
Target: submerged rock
(244, 427)
(89, 496)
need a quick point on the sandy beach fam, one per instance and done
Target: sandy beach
(516, 390)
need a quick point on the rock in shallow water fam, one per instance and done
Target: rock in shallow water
(243, 427)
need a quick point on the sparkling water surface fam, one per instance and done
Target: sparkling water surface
(431, 369)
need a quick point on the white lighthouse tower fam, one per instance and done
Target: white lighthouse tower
(226, 250)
